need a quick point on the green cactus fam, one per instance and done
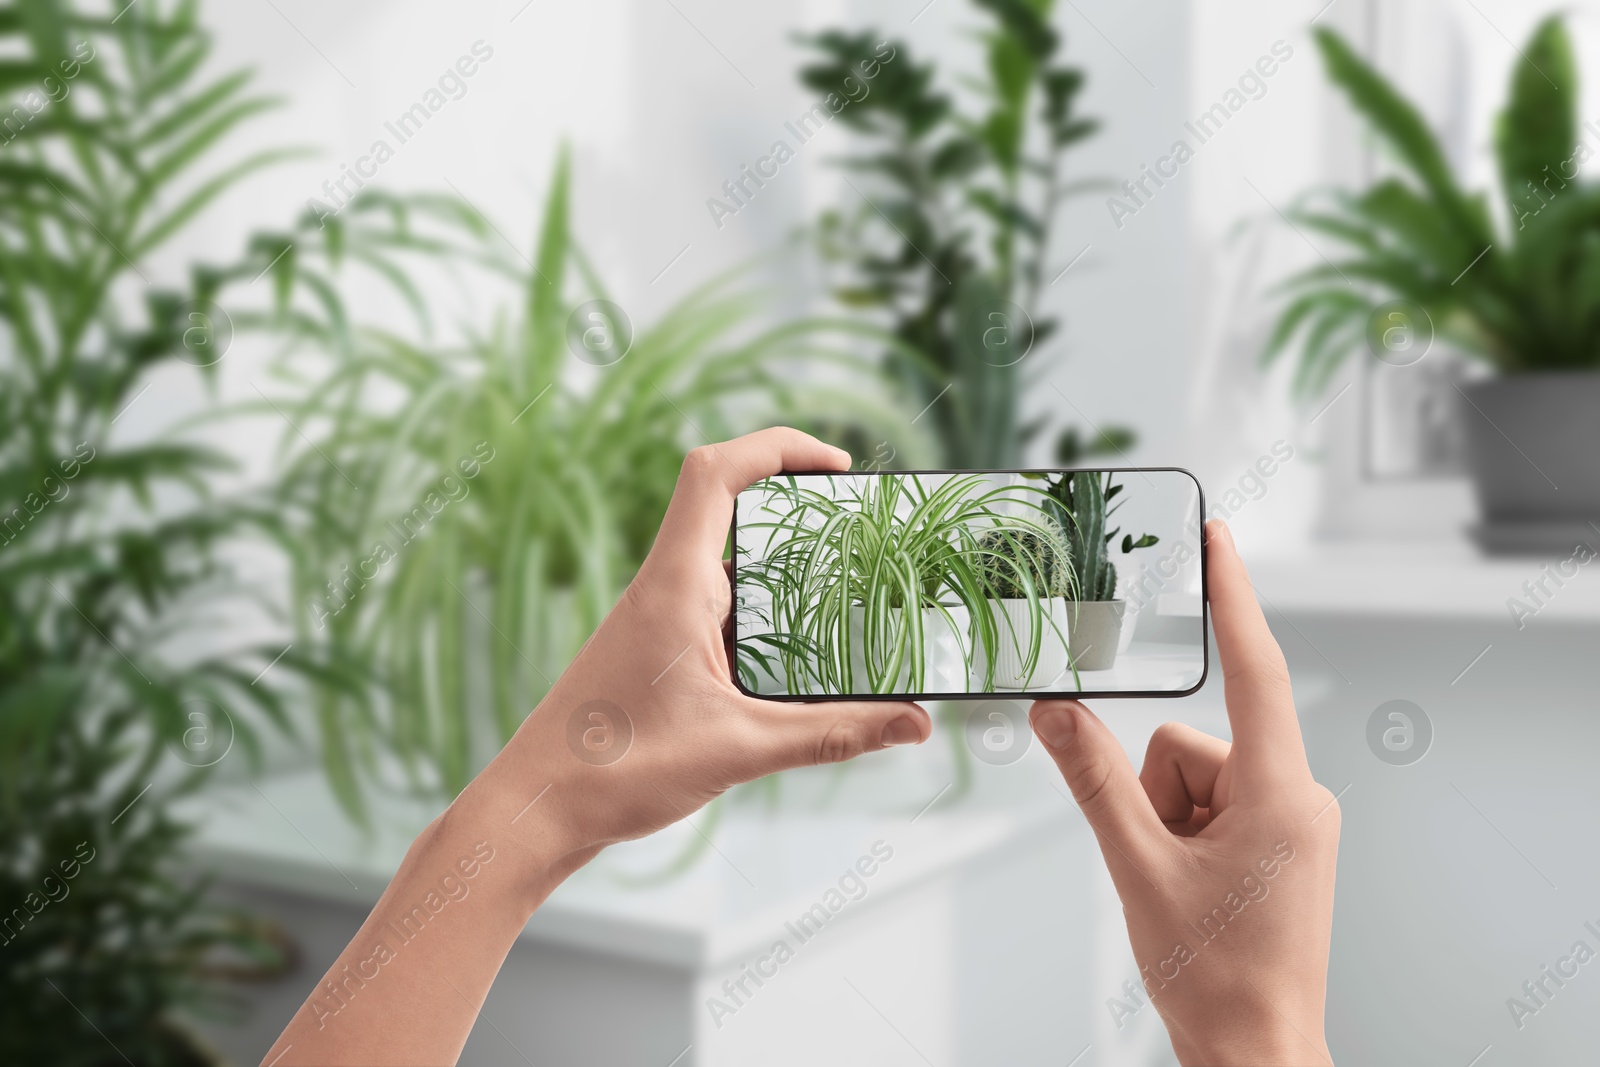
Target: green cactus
(1009, 553)
(1085, 500)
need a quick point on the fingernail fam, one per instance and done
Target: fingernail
(1055, 727)
(902, 731)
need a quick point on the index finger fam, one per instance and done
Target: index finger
(697, 520)
(1266, 733)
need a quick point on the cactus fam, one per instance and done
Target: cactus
(1008, 551)
(1084, 498)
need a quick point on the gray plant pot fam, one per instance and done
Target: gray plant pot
(1533, 444)
(1094, 628)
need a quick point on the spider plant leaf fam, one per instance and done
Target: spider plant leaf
(546, 307)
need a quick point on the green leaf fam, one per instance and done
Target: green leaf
(1402, 127)
(200, 198)
(1537, 133)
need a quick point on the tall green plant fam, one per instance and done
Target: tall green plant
(948, 235)
(1083, 499)
(1517, 287)
(468, 533)
(108, 557)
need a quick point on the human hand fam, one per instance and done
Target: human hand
(1223, 854)
(644, 728)
(646, 725)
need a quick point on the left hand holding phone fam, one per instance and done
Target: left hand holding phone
(646, 726)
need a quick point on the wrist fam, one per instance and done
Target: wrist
(1251, 1045)
(517, 819)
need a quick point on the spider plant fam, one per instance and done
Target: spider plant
(1520, 294)
(541, 481)
(863, 572)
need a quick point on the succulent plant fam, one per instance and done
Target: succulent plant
(1083, 497)
(1019, 564)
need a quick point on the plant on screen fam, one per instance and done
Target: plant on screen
(1045, 557)
(1084, 500)
(865, 572)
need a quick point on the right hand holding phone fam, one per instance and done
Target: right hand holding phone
(1223, 854)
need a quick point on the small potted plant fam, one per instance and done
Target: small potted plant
(1421, 258)
(1029, 578)
(1095, 615)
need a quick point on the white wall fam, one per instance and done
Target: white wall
(661, 103)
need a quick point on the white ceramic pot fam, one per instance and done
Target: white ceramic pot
(1011, 619)
(944, 665)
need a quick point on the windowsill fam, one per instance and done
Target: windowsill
(1444, 579)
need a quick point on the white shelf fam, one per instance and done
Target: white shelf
(1426, 580)
(289, 837)
(1145, 667)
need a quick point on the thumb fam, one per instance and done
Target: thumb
(1102, 781)
(802, 735)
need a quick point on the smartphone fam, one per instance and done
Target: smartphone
(970, 584)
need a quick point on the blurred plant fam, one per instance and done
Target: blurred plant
(466, 533)
(953, 245)
(1521, 294)
(1072, 450)
(108, 548)
(860, 577)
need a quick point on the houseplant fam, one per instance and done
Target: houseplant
(1084, 500)
(946, 235)
(117, 695)
(862, 576)
(1022, 567)
(1509, 282)
(540, 472)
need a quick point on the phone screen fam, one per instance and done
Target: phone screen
(951, 584)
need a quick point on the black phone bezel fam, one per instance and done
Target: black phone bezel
(816, 698)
